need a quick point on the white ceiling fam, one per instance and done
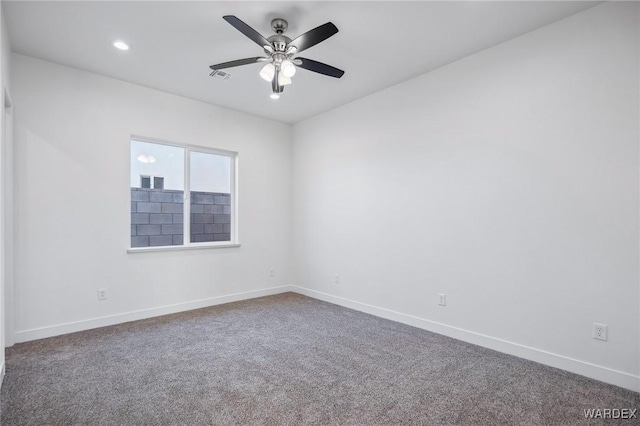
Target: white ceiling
(173, 43)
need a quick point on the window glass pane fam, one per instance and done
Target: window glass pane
(158, 182)
(152, 159)
(210, 185)
(157, 213)
(145, 182)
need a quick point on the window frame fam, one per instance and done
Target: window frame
(233, 192)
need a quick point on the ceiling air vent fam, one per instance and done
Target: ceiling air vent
(222, 75)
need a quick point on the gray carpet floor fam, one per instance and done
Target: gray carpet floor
(286, 360)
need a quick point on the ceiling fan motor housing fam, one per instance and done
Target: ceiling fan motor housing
(279, 42)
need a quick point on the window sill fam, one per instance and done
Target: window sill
(177, 248)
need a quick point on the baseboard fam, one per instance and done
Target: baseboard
(72, 327)
(603, 374)
(2, 373)
(583, 368)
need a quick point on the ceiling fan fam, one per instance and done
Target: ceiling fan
(280, 61)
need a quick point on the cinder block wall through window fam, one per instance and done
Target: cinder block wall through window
(157, 217)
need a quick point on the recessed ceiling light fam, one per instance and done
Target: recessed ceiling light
(121, 45)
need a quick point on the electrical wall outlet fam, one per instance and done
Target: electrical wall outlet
(102, 293)
(336, 279)
(272, 272)
(599, 331)
(442, 299)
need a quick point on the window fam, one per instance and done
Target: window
(145, 182)
(163, 177)
(158, 182)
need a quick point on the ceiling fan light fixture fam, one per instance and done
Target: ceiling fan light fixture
(268, 72)
(282, 80)
(275, 95)
(288, 69)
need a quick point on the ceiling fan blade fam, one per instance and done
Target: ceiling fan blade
(236, 63)
(319, 67)
(314, 36)
(247, 30)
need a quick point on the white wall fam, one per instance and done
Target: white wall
(507, 180)
(72, 133)
(6, 194)
(3, 208)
